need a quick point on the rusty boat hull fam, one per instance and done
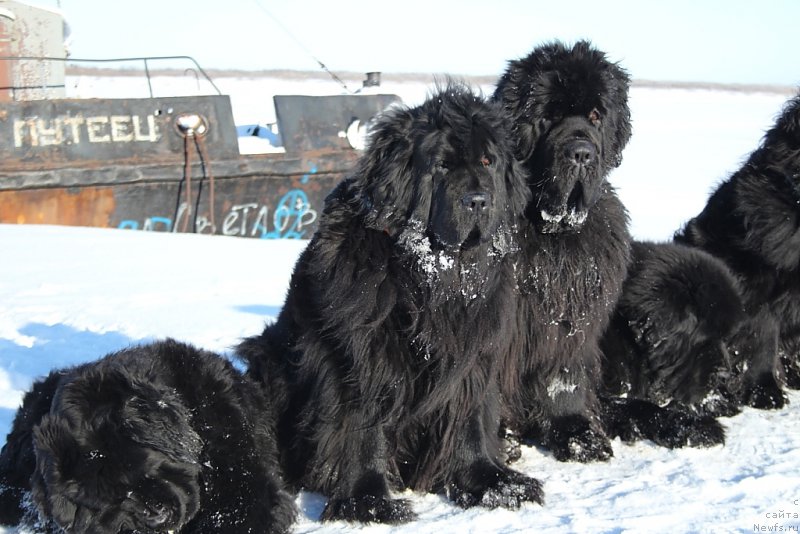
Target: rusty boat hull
(130, 164)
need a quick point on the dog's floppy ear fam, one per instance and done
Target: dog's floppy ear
(622, 128)
(115, 406)
(526, 136)
(156, 417)
(518, 192)
(382, 176)
(613, 90)
(514, 94)
(58, 454)
(58, 460)
(789, 121)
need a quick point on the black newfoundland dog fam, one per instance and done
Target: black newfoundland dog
(569, 108)
(571, 121)
(752, 223)
(668, 338)
(384, 359)
(154, 438)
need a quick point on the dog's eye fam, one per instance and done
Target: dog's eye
(485, 161)
(594, 117)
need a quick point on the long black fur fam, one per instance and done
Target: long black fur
(154, 438)
(668, 338)
(384, 358)
(571, 122)
(752, 223)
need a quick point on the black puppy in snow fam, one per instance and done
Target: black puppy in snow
(154, 438)
(668, 339)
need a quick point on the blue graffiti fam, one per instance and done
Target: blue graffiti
(291, 216)
(150, 224)
(291, 219)
(305, 178)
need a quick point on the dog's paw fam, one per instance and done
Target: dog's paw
(512, 490)
(791, 367)
(765, 394)
(688, 430)
(674, 427)
(509, 489)
(573, 438)
(719, 404)
(368, 509)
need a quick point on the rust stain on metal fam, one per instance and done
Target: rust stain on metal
(87, 206)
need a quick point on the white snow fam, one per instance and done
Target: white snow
(70, 295)
(414, 240)
(559, 386)
(573, 217)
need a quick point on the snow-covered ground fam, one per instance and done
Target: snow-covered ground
(69, 295)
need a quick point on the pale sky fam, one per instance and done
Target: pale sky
(728, 41)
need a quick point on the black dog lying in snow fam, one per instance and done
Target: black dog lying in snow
(154, 438)
(717, 325)
(752, 223)
(571, 121)
(668, 338)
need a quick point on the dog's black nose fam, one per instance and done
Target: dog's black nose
(476, 201)
(580, 152)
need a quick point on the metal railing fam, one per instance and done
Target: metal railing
(145, 60)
